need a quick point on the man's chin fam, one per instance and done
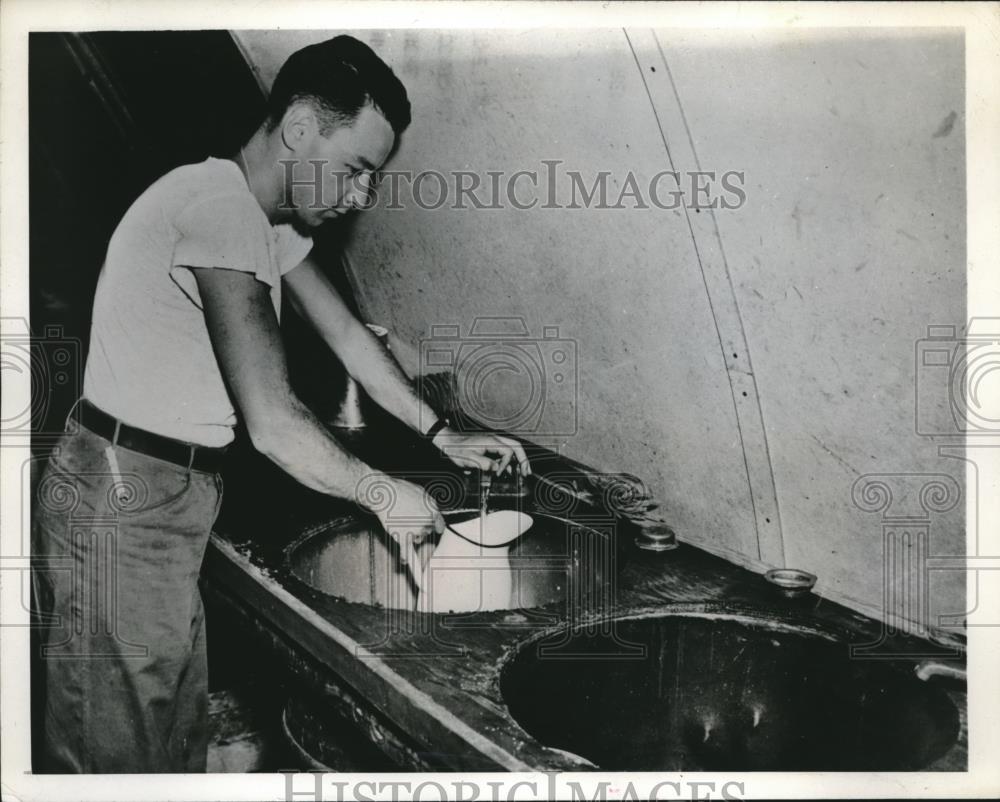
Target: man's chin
(305, 228)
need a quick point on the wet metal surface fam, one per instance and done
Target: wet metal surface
(457, 684)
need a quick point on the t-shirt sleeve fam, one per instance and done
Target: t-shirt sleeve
(292, 248)
(227, 232)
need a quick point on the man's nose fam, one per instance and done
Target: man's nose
(359, 191)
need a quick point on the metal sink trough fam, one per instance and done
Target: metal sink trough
(710, 691)
(555, 562)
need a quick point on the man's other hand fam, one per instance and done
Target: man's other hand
(488, 452)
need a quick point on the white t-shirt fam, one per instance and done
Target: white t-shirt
(151, 362)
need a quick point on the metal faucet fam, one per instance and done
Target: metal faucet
(485, 486)
(351, 414)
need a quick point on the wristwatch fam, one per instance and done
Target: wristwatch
(439, 424)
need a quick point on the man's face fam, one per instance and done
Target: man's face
(346, 161)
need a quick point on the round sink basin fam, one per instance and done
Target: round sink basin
(555, 561)
(716, 692)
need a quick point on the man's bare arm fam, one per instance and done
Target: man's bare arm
(247, 343)
(248, 347)
(317, 300)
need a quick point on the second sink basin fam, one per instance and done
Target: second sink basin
(724, 692)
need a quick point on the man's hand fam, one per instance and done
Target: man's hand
(407, 512)
(488, 452)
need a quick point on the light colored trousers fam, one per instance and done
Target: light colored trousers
(119, 539)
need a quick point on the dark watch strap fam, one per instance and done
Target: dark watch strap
(439, 424)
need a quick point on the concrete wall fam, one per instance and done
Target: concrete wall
(751, 365)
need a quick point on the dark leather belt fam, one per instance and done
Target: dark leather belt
(199, 458)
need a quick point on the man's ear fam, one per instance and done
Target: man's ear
(298, 125)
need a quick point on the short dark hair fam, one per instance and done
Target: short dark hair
(338, 78)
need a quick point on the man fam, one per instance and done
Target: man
(185, 333)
